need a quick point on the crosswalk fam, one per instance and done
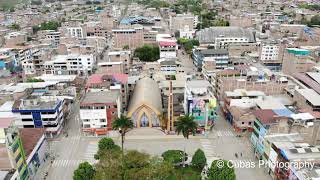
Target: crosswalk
(91, 150)
(221, 133)
(208, 150)
(66, 163)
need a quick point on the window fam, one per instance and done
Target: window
(15, 147)
(86, 126)
(25, 113)
(29, 119)
(18, 158)
(115, 106)
(242, 122)
(28, 126)
(102, 120)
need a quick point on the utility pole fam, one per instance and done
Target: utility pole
(170, 109)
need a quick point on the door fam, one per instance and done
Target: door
(144, 120)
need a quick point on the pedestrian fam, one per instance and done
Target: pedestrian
(236, 155)
(241, 154)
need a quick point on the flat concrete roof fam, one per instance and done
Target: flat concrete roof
(312, 96)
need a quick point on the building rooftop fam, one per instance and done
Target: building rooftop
(294, 137)
(265, 116)
(269, 102)
(283, 112)
(312, 96)
(30, 138)
(35, 104)
(101, 97)
(306, 80)
(208, 35)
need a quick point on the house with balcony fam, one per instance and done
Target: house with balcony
(98, 110)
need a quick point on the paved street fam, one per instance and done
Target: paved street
(222, 143)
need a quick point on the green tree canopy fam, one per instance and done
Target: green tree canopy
(31, 80)
(199, 159)
(136, 166)
(315, 20)
(15, 27)
(147, 53)
(221, 22)
(174, 156)
(84, 172)
(50, 25)
(107, 144)
(221, 171)
(186, 125)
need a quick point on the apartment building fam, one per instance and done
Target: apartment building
(269, 55)
(131, 36)
(34, 65)
(13, 159)
(15, 38)
(296, 60)
(76, 32)
(168, 49)
(71, 64)
(113, 82)
(222, 37)
(35, 147)
(249, 82)
(98, 110)
(210, 59)
(199, 101)
(180, 21)
(39, 113)
(50, 36)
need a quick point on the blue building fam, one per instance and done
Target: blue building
(37, 113)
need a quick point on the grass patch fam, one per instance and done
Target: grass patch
(187, 173)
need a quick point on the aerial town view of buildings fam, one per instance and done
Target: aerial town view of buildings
(160, 89)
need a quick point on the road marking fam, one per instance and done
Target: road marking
(225, 133)
(66, 163)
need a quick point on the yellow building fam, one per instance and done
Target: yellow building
(145, 108)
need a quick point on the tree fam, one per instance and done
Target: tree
(136, 166)
(126, 47)
(105, 145)
(174, 156)
(315, 20)
(109, 166)
(186, 125)
(147, 53)
(220, 170)
(31, 80)
(84, 172)
(15, 27)
(221, 22)
(123, 124)
(199, 160)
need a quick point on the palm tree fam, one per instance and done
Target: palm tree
(123, 124)
(186, 125)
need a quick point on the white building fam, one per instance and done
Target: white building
(269, 52)
(72, 64)
(186, 32)
(76, 32)
(98, 109)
